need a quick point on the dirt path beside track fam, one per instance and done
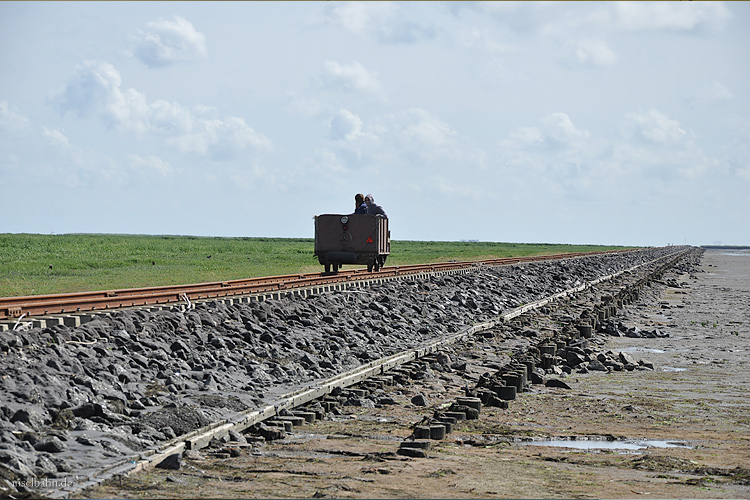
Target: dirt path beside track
(695, 402)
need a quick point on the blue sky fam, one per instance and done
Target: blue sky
(605, 123)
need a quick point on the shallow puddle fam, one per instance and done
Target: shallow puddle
(597, 444)
(642, 349)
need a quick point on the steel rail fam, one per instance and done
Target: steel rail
(78, 302)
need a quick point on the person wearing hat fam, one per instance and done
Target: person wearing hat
(373, 208)
(360, 207)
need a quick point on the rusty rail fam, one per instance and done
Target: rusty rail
(41, 305)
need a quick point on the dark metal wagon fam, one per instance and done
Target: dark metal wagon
(352, 239)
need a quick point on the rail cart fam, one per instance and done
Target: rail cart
(352, 239)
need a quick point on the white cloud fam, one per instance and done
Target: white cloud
(708, 95)
(221, 139)
(559, 129)
(418, 139)
(564, 156)
(11, 120)
(671, 16)
(45, 156)
(550, 19)
(517, 17)
(150, 163)
(412, 144)
(530, 136)
(652, 126)
(556, 160)
(594, 53)
(358, 17)
(345, 125)
(55, 137)
(350, 77)
(417, 128)
(555, 132)
(167, 41)
(485, 39)
(656, 146)
(96, 89)
(642, 162)
(328, 165)
(303, 105)
(383, 21)
(415, 145)
(553, 158)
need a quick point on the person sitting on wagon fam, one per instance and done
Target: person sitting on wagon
(373, 208)
(359, 204)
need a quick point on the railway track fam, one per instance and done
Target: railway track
(14, 308)
(246, 420)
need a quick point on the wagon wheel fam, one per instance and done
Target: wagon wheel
(336, 268)
(376, 264)
(327, 268)
(370, 266)
(382, 258)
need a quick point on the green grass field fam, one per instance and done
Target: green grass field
(34, 264)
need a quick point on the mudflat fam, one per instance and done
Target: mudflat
(681, 430)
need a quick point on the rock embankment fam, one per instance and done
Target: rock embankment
(75, 399)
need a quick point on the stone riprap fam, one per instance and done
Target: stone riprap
(73, 400)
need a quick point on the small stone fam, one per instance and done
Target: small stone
(194, 455)
(573, 358)
(597, 365)
(556, 382)
(178, 345)
(85, 440)
(420, 400)
(537, 378)
(45, 467)
(627, 359)
(270, 433)
(443, 359)
(137, 405)
(168, 432)
(172, 462)
(412, 452)
(237, 437)
(30, 417)
(378, 308)
(496, 402)
(386, 400)
(51, 444)
(89, 410)
(366, 403)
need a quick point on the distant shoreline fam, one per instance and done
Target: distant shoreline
(725, 247)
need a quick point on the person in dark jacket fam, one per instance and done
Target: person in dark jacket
(373, 208)
(360, 207)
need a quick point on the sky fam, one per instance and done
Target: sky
(619, 123)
